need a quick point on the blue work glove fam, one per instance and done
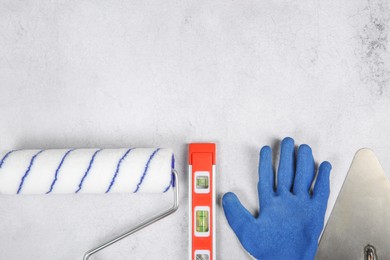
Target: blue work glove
(291, 217)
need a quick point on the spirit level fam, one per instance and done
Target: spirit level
(202, 201)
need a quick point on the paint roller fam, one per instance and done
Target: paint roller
(76, 171)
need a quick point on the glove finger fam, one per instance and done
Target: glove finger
(322, 186)
(305, 170)
(266, 175)
(236, 214)
(286, 165)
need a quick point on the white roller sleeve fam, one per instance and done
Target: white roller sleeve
(127, 170)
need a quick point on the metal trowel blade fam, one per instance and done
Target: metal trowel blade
(359, 225)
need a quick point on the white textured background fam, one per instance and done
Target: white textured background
(165, 73)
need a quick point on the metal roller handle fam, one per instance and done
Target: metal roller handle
(144, 224)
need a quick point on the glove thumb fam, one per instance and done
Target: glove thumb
(236, 214)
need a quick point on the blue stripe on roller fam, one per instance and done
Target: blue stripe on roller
(117, 170)
(58, 169)
(146, 169)
(171, 183)
(173, 162)
(28, 171)
(87, 171)
(5, 157)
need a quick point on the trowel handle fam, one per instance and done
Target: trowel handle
(370, 253)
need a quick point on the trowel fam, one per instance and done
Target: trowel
(359, 225)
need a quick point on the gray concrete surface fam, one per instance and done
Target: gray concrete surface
(242, 74)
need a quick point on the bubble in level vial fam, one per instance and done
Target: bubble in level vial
(202, 257)
(202, 221)
(202, 182)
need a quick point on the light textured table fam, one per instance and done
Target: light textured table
(165, 73)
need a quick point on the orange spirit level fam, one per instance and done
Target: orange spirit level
(202, 201)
